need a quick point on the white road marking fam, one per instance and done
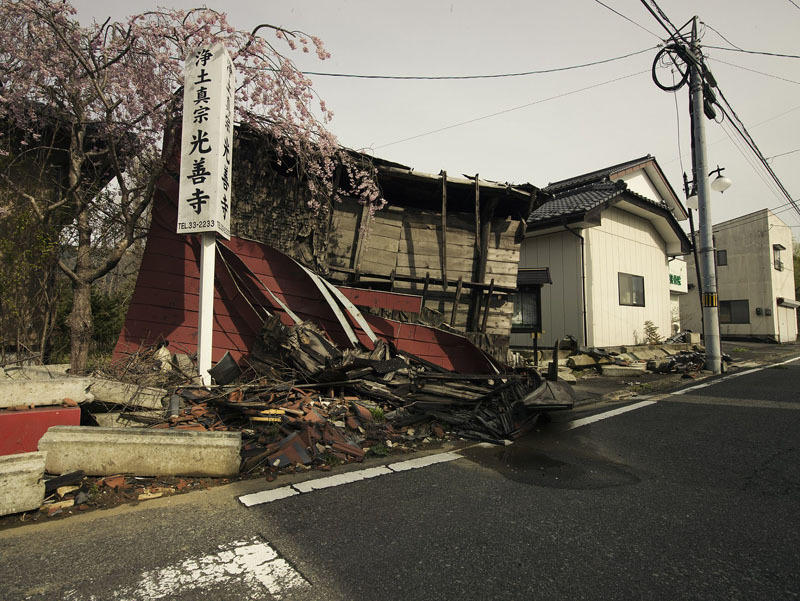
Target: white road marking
(413, 464)
(267, 496)
(251, 562)
(577, 423)
(338, 479)
(731, 376)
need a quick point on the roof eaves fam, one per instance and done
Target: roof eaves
(594, 176)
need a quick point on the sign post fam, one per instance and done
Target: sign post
(205, 176)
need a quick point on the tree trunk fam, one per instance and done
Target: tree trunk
(80, 320)
(80, 326)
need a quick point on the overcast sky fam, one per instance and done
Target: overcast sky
(559, 131)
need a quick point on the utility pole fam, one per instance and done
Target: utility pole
(708, 283)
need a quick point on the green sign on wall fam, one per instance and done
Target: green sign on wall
(675, 280)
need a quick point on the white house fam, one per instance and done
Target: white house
(755, 280)
(604, 239)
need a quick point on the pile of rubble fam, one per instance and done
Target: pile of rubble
(298, 402)
(341, 405)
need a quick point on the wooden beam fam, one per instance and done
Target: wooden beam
(424, 291)
(486, 305)
(414, 279)
(477, 216)
(486, 215)
(362, 228)
(444, 229)
(456, 301)
(391, 280)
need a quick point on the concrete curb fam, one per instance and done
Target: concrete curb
(39, 392)
(106, 451)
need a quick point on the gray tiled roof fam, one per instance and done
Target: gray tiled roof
(577, 201)
(593, 176)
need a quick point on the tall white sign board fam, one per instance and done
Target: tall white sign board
(207, 142)
(204, 196)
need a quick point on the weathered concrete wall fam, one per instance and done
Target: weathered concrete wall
(105, 451)
(750, 274)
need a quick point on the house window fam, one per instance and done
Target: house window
(527, 315)
(734, 311)
(631, 290)
(722, 257)
(776, 256)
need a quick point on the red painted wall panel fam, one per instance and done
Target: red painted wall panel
(20, 431)
(164, 304)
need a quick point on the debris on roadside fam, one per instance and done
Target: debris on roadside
(669, 357)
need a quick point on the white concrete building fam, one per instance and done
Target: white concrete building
(755, 280)
(604, 239)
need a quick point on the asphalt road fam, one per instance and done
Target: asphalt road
(696, 496)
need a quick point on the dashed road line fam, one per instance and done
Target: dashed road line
(731, 376)
(276, 494)
(721, 401)
(577, 423)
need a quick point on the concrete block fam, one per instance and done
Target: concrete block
(128, 419)
(144, 452)
(635, 369)
(565, 375)
(131, 395)
(21, 482)
(647, 354)
(692, 337)
(578, 361)
(39, 392)
(36, 372)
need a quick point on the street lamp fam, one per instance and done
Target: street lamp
(720, 183)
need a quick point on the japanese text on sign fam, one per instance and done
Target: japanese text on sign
(207, 142)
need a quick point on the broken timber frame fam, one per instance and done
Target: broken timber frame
(483, 224)
(444, 230)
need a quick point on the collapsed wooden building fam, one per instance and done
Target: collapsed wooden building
(443, 252)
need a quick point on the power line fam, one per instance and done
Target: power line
(678, 123)
(490, 76)
(748, 159)
(628, 19)
(752, 51)
(754, 70)
(742, 131)
(720, 35)
(514, 108)
(783, 154)
(663, 24)
(767, 120)
(795, 4)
